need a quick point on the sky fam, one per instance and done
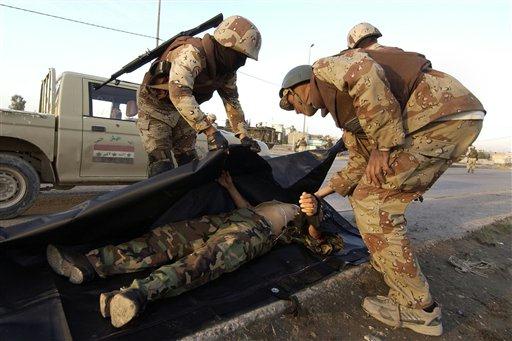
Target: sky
(470, 40)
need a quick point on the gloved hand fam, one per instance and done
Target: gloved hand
(216, 141)
(249, 142)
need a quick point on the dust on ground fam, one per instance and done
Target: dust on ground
(51, 203)
(475, 307)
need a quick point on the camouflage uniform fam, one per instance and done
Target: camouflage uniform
(424, 138)
(170, 122)
(198, 67)
(163, 131)
(472, 156)
(301, 145)
(192, 253)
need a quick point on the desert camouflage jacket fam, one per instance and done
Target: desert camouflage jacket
(436, 95)
(356, 74)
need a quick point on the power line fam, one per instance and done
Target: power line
(79, 22)
(258, 78)
(116, 30)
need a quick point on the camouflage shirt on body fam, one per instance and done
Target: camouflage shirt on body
(297, 232)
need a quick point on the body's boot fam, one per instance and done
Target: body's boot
(71, 264)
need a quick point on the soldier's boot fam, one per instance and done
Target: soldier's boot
(421, 321)
(123, 305)
(70, 264)
(185, 158)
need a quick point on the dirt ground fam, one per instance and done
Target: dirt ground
(50, 203)
(475, 307)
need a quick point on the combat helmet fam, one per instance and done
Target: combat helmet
(361, 31)
(240, 34)
(297, 75)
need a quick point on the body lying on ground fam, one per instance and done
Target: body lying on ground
(190, 253)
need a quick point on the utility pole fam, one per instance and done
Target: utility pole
(309, 63)
(158, 24)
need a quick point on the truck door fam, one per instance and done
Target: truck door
(111, 146)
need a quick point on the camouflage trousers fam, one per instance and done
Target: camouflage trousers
(188, 253)
(471, 164)
(164, 132)
(379, 211)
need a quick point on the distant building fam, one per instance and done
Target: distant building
(501, 158)
(295, 136)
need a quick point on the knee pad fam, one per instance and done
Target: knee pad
(159, 155)
(159, 166)
(187, 157)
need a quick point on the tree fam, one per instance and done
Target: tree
(17, 103)
(483, 155)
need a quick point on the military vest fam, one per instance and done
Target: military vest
(208, 80)
(403, 71)
(473, 154)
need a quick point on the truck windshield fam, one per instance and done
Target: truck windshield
(112, 102)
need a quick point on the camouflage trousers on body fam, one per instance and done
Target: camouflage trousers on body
(162, 129)
(188, 253)
(379, 211)
(471, 164)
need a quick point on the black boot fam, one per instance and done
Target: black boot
(71, 264)
(124, 305)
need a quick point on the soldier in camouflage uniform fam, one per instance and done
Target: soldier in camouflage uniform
(404, 124)
(188, 73)
(472, 158)
(365, 35)
(301, 145)
(192, 253)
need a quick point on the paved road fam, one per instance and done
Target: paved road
(458, 202)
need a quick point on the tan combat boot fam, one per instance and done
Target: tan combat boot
(387, 311)
(122, 305)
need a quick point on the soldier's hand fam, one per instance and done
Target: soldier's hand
(249, 142)
(308, 204)
(378, 167)
(216, 141)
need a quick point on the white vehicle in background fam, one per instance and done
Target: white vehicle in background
(80, 136)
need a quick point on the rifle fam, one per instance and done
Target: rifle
(157, 51)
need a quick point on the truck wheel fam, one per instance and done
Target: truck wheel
(19, 186)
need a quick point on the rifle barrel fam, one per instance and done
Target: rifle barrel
(157, 51)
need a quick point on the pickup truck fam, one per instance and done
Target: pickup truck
(80, 136)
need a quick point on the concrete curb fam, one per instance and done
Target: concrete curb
(217, 331)
(276, 309)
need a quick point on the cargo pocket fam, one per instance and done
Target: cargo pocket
(403, 164)
(430, 147)
(143, 124)
(433, 156)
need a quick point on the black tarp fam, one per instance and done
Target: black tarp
(37, 304)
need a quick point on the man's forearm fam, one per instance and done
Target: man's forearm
(324, 191)
(239, 200)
